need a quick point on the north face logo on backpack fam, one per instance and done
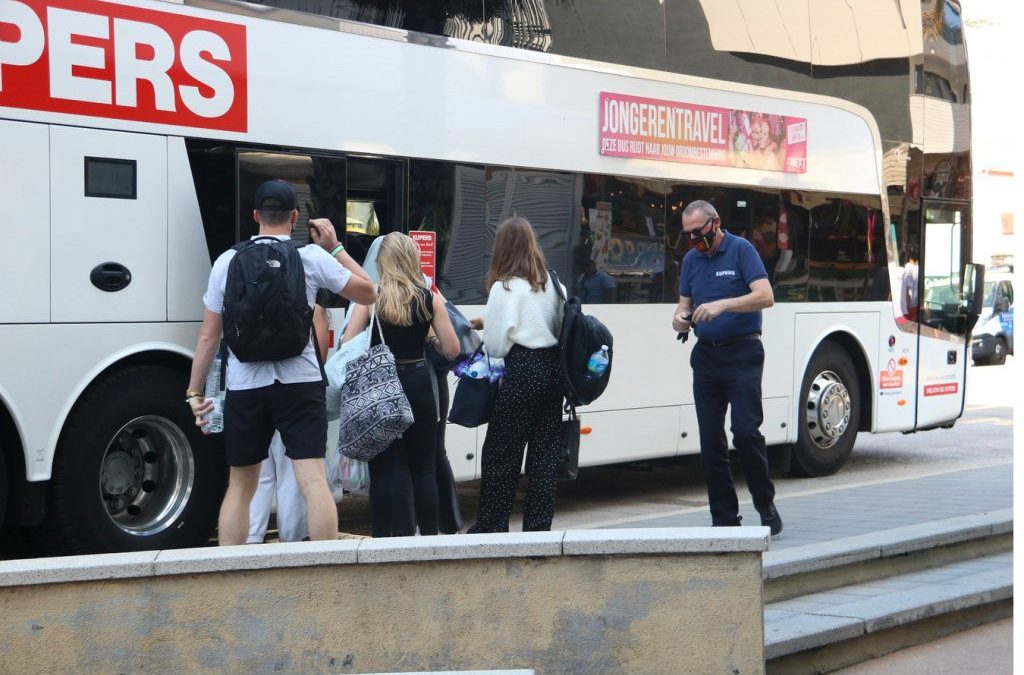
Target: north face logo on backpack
(266, 314)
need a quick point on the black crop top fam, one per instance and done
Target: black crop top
(406, 342)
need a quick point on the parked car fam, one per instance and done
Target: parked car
(993, 335)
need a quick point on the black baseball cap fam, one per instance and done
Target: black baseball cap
(276, 195)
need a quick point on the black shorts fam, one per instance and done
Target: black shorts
(252, 415)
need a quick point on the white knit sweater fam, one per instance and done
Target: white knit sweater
(519, 316)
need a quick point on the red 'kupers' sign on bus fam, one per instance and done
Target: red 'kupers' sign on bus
(116, 61)
(426, 242)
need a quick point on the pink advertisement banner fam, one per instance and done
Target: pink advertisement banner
(647, 128)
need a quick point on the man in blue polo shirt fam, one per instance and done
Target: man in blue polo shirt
(722, 289)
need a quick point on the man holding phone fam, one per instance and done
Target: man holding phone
(723, 287)
(273, 393)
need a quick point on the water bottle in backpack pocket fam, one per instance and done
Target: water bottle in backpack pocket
(598, 363)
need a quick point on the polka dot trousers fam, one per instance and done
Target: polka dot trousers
(527, 411)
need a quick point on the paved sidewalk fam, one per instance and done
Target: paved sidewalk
(856, 510)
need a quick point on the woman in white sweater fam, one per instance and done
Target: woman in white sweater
(521, 324)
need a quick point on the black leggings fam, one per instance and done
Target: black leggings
(403, 478)
(528, 410)
(449, 515)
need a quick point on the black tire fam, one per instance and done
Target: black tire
(830, 391)
(132, 471)
(999, 352)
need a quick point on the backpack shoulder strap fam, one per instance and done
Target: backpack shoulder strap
(558, 285)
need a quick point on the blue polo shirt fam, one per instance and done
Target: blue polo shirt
(727, 274)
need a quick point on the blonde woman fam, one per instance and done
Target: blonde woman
(521, 323)
(403, 478)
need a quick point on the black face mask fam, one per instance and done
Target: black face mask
(703, 241)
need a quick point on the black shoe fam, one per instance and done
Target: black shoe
(727, 523)
(771, 518)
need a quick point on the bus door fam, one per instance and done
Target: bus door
(942, 316)
(108, 221)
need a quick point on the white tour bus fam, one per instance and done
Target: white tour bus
(133, 135)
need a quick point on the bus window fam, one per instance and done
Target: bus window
(319, 183)
(620, 255)
(841, 248)
(374, 204)
(465, 203)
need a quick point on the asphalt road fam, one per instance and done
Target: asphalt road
(620, 494)
(617, 494)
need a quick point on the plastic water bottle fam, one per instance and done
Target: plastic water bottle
(598, 362)
(478, 370)
(214, 418)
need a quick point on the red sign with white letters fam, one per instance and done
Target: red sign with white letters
(117, 61)
(426, 242)
(941, 389)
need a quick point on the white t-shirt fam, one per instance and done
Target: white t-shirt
(522, 317)
(322, 271)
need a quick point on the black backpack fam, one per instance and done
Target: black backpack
(266, 316)
(581, 336)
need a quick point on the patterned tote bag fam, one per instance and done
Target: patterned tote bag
(374, 408)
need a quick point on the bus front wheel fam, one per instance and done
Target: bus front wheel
(132, 471)
(829, 413)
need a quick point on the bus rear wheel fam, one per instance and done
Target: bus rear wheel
(132, 471)
(829, 414)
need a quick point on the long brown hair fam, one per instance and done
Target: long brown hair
(517, 254)
(401, 281)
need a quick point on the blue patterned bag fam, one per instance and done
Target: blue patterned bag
(374, 408)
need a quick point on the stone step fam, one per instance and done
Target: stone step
(831, 629)
(797, 571)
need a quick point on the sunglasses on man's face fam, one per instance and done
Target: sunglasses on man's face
(698, 234)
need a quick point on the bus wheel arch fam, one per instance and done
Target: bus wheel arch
(834, 405)
(12, 462)
(131, 471)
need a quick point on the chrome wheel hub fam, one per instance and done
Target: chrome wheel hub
(828, 409)
(146, 475)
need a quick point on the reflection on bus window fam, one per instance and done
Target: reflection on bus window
(621, 251)
(361, 218)
(465, 204)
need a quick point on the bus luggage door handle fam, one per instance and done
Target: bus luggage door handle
(110, 276)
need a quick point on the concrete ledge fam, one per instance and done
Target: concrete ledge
(462, 672)
(665, 540)
(789, 633)
(256, 557)
(651, 541)
(885, 543)
(461, 547)
(77, 568)
(428, 604)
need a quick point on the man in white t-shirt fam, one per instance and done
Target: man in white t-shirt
(286, 396)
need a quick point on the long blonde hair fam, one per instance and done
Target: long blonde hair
(517, 254)
(401, 281)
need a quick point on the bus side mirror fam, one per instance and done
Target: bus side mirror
(973, 293)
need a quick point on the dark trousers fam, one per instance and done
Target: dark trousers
(403, 478)
(725, 375)
(527, 411)
(449, 514)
